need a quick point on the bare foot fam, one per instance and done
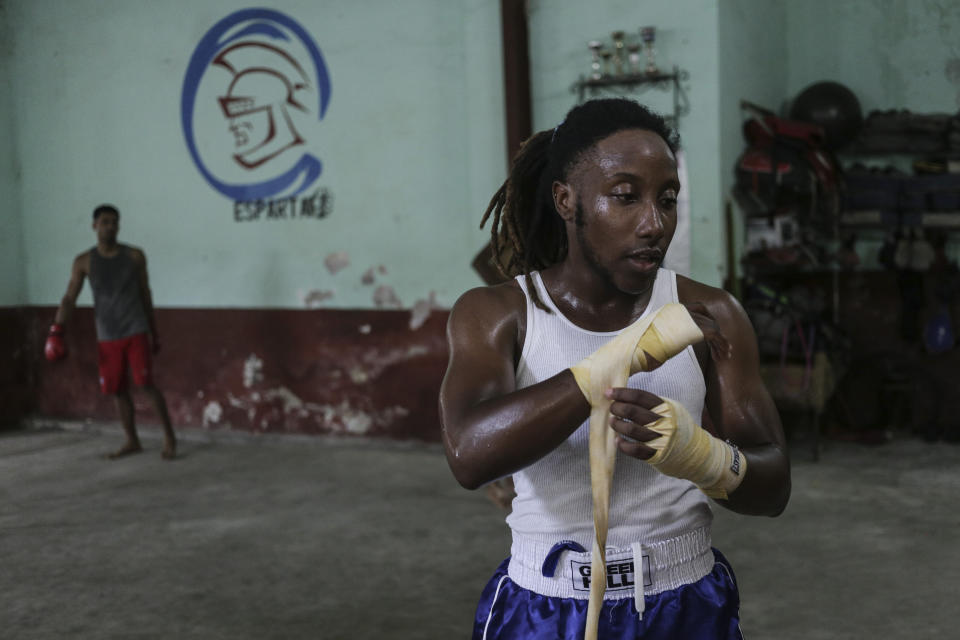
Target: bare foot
(169, 449)
(126, 450)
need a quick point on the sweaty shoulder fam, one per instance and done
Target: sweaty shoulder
(496, 313)
(721, 304)
(689, 290)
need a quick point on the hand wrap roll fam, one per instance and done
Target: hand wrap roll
(687, 451)
(661, 335)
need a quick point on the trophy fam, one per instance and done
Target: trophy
(606, 54)
(595, 46)
(633, 55)
(617, 37)
(648, 35)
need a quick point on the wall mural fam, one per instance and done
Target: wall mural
(254, 94)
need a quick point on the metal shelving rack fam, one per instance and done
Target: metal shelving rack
(661, 81)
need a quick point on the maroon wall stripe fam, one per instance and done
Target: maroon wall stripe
(16, 391)
(322, 371)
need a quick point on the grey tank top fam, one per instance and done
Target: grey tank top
(117, 303)
(554, 500)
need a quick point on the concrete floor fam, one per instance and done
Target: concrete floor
(246, 537)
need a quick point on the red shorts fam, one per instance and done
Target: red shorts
(114, 356)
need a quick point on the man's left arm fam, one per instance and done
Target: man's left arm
(744, 414)
(141, 259)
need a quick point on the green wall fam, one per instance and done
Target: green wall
(11, 235)
(753, 67)
(412, 143)
(686, 37)
(412, 148)
(894, 54)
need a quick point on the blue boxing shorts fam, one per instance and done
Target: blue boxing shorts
(703, 609)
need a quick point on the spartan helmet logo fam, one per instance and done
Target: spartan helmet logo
(267, 84)
(275, 90)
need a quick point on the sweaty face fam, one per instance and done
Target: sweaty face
(626, 207)
(106, 225)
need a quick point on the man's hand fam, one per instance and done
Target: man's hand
(679, 446)
(643, 346)
(55, 349)
(631, 411)
(720, 347)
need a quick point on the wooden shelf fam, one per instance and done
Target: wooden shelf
(877, 219)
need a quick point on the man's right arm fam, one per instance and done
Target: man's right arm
(490, 428)
(77, 274)
(55, 348)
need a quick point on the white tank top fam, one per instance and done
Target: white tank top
(553, 500)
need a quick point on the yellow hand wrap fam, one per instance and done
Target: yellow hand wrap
(686, 451)
(661, 334)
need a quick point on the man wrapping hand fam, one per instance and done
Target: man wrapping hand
(618, 394)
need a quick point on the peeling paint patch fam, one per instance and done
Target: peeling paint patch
(952, 72)
(236, 402)
(392, 413)
(313, 299)
(374, 362)
(252, 370)
(212, 413)
(421, 311)
(337, 261)
(290, 400)
(385, 296)
(370, 275)
(356, 422)
(333, 398)
(240, 403)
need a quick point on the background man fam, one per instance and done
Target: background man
(582, 224)
(126, 326)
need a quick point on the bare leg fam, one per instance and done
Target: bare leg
(125, 408)
(169, 439)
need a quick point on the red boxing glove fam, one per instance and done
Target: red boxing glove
(55, 349)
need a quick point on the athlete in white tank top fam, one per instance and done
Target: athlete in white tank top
(588, 212)
(553, 499)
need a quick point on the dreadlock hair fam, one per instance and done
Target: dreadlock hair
(527, 234)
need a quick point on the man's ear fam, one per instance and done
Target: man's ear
(564, 200)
